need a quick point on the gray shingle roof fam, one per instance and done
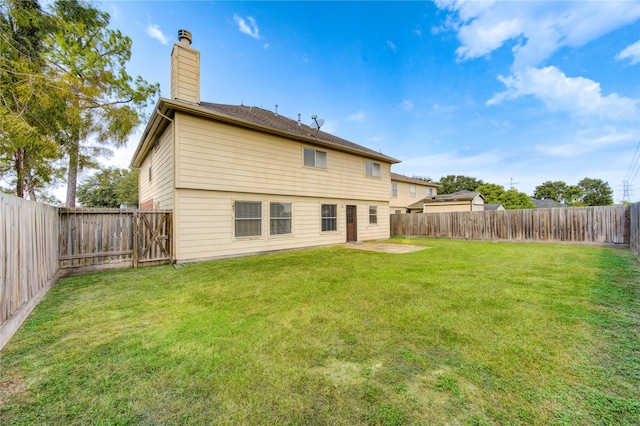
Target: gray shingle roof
(270, 119)
(403, 178)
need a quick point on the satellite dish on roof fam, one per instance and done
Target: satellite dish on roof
(316, 123)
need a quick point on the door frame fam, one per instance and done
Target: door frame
(353, 209)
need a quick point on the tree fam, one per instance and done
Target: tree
(596, 192)
(63, 83)
(111, 188)
(558, 191)
(454, 183)
(492, 193)
(29, 107)
(103, 102)
(510, 200)
(513, 199)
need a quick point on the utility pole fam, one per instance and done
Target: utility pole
(511, 183)
(626, 191)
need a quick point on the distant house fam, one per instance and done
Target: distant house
(405, 191)
(243, 180)
(461, 201)
(493, 207)
(546, 204)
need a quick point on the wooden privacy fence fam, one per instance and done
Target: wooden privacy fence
(634, 229)
(39, 243)
(28, 259)
(95, 239)
(590, 225)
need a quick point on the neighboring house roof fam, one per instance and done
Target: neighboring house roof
(403, 178)
(546, 204)
(488, 207)
(253, 118)
(458, 196)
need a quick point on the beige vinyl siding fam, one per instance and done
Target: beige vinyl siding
(185, 74)
(204, 224)
(160, 161)
(404, 198)
(217, 156)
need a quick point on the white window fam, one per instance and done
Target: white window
(315, 158)
(412, 190)
(429, 192)
(398, 211)
(329, 217)
(394, 190)
(373, 215)
(248, 218)
(373, 169)
(280, 218)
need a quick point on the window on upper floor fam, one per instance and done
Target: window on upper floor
(280, 218)
(315, 158)
(429, 192)
(372, 169)
(248, 218)
(412, 190)
(394, 190)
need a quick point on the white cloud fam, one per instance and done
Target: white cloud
(417, 31)
(578, 96)
(631, 52)
(538, 28)
(589, 141)
(407, 104)
(357, 117)
(154, 32)
(391, 45)
(248, 27)
(266, 45)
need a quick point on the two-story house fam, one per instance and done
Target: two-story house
(406, 191)
(243, 180)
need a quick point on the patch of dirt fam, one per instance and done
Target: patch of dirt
(9, 387)
(385, 247)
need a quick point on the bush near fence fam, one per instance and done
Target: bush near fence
(585, 225)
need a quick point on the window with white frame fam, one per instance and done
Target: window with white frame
(429, 192)
(280, 218)
(329, 217)
(412, 190)
(373, 169)
(373, 215)
(394, 190)
(315, 158)
(248, 218)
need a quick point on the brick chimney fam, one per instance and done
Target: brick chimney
(185, 70)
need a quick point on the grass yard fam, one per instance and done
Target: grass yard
(459, 333)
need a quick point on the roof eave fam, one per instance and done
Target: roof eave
(167, 105)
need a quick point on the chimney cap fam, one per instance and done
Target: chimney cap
(184, 36)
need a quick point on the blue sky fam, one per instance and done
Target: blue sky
(507, 91)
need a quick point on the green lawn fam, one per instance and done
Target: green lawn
(458, 333)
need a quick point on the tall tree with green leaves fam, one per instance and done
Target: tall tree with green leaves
(454, 183)
(103, 102)
(111, 187)
(596, 192)
(29, 106)
(558, 191)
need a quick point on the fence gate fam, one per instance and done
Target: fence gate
(98, 239)
(152, 231)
